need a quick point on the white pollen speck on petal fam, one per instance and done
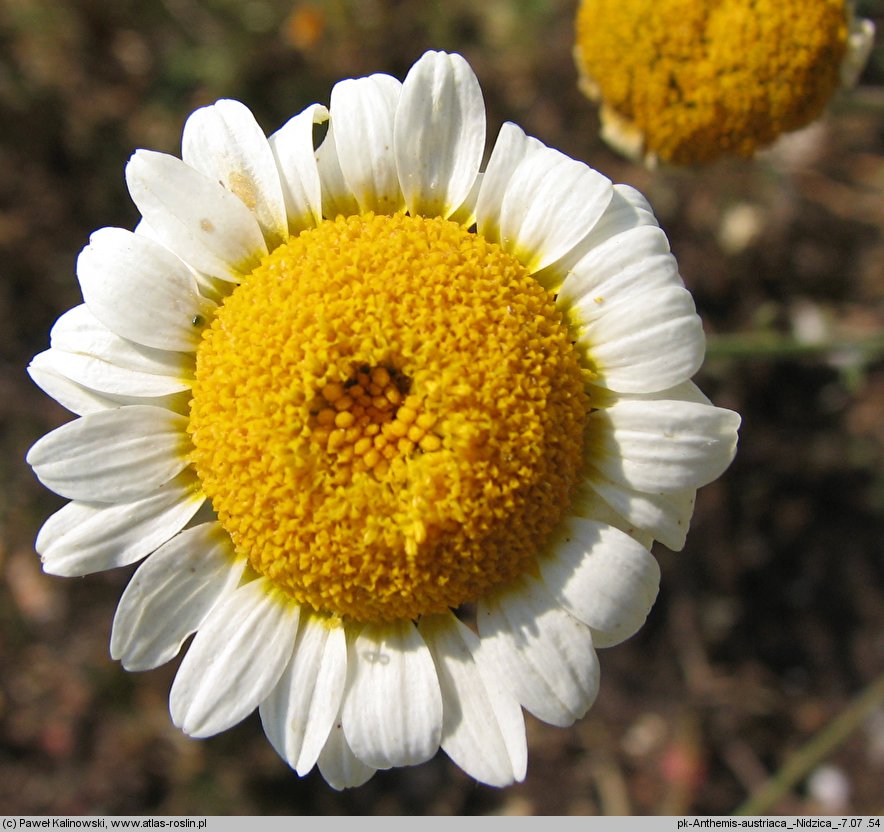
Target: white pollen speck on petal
(392, 712)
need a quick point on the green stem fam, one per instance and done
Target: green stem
(820, 746)
(767, 345)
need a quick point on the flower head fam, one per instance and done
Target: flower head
(393, 435)
(684, 81)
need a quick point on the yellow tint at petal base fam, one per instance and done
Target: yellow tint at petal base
(388, 417)
(689, 80)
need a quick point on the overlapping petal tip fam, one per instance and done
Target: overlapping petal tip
(363, 111)
(661, 445)
(235, 660)
(54, 371)
(628, 358)
(303, 707)
(603, 577)
(336, 197)
(197, 218)
(171, 594)
(627, 261)
(158, 305)
(544, 654)
(550, 204)
(624, 300)
(627, 210)
(293, 149)
(87, 537)
(69, 394)
(612, 209)
(79, 333)
(510, 149)
(483, 730)
(337, 763)
(646, 516)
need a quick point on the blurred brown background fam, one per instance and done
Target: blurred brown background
(768, 625)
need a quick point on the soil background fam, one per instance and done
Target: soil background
(768, 624)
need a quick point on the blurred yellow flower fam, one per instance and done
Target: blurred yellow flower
(685, 81)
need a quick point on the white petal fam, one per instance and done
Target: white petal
(860, 42)
(627, 211)
(602, 577)
(439, 134)
(212, 288)
(630, 263)
(82, 400)
(300, 711)
(141, 291)
(392, 712)
(362, 112)
(551, 203)
(171, 594)
(465, 214)
(82, 538)
(197, 218)
(643, 343)
(293, 149)
(336, 197)
(224, 142)
(543, 654)
(79, 332)
(587, 503)
(102, 374)
(686, 391)
(67, 393)
(660, 446)
(339, 765)
(666, 516)
(483, 730)
(235, 659)
(510, 149)
(112, 455)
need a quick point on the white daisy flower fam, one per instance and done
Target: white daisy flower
(439, 417)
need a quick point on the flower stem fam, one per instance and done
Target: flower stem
(823, 743)
(767, 345)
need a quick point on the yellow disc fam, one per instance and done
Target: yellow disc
(388, 417)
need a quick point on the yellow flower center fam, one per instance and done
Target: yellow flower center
(700, 78)
(388, 417)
